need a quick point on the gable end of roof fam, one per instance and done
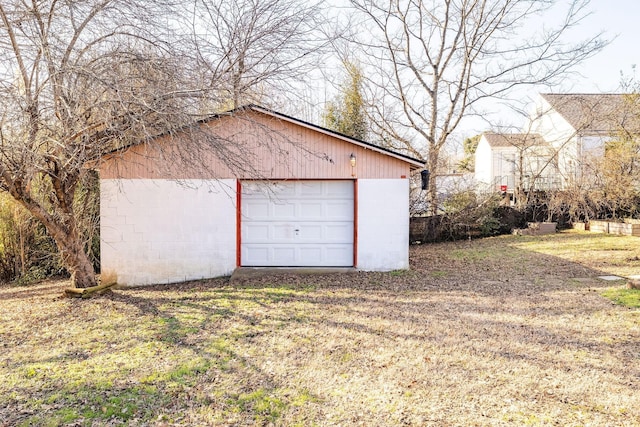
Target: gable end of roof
(415, 163)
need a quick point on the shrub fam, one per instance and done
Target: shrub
(27, 253)
(466, 216)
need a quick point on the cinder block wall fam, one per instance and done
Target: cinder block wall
(383, 222)
(164, 231)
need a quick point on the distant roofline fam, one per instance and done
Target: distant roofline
(586, 94)
(598, 122)
(532, 134)
(536, 137)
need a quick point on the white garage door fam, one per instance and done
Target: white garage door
(297, 224)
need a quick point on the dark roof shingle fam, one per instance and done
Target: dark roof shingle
(597, 114)
(514, 139)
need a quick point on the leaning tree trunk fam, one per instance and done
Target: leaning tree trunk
(68, 241)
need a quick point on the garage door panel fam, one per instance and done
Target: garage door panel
(327, 232)
(336, 233)
(282, 232)
(283, 211)
(255, 255)
(311, 253)
(268, 256)
(339, 210)
(311, 232)
(284, 189)
(297, 223)
(310, 189)
(335, 254)
(283, 255)
(268, 190)
(256, 209)
(310, 210)
(256, 232)
(339, 189)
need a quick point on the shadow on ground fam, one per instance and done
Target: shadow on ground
(482, 330)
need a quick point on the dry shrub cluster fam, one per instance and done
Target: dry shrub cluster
(466, 216)
(27, 253)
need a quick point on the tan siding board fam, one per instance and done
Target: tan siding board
(309, 155)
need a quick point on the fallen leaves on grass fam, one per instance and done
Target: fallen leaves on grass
(501, 331)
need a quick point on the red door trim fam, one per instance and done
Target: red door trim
(238, 223)
(355, 222)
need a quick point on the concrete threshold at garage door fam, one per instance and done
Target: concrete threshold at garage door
(243, 273)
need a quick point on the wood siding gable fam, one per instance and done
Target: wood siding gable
(255, 144)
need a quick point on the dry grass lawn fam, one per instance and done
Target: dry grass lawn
(506, 331)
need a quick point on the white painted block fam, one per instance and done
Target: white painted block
(171, 232)
(383, 224)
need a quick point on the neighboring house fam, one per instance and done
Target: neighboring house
(506, 161)
(304, 196)
(564, 134)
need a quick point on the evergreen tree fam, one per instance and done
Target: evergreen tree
(470, 145)
(346, 113)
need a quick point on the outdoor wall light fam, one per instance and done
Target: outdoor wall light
(352, 159)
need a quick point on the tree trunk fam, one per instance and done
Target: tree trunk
(432, 190)
(77, 261)
(69, 243)
(83, 276)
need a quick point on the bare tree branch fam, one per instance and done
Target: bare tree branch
(81, 78)
(437, 60)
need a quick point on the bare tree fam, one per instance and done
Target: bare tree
(437, 60)
(607, 178)
(79, 78)
(82, 78)
(254, 51)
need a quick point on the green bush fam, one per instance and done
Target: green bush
(489, 225)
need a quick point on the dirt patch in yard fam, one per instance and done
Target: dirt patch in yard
(501, 331)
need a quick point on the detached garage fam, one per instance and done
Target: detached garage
(251, 188)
